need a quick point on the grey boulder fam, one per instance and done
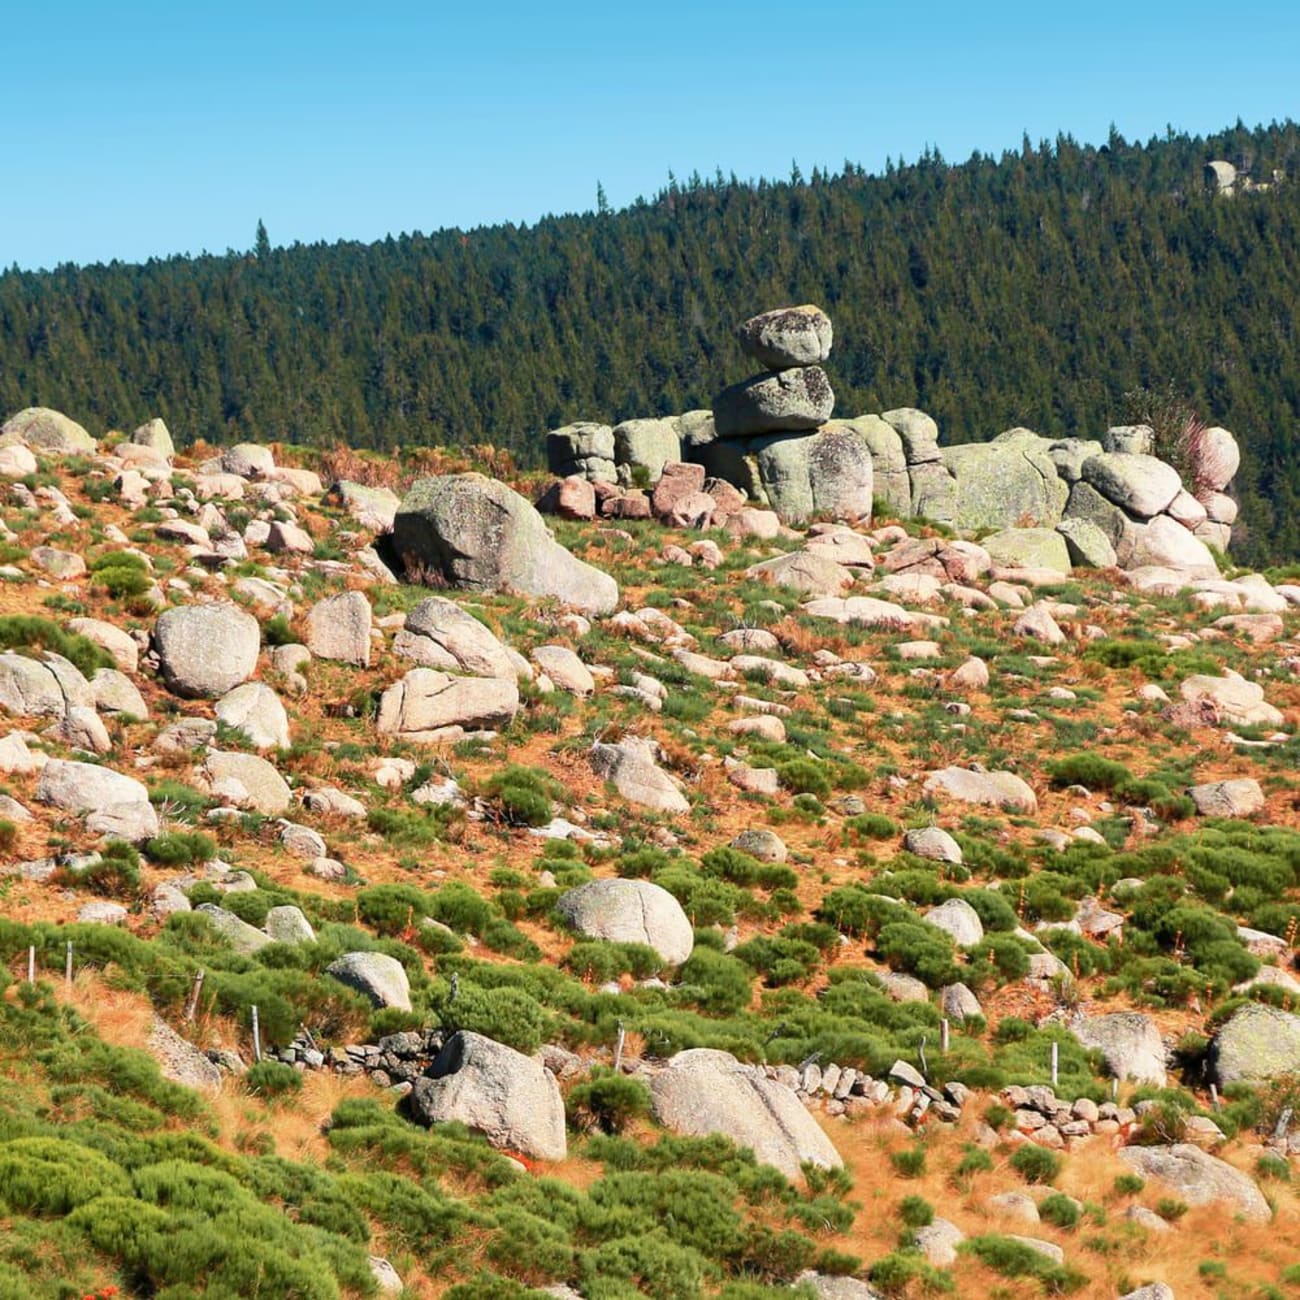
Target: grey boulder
(1141, 485)
(630, 911)
(1256, 1043)
(1130, 1043)
(1000, 789)
(338, 629)
(632, 766)
(1010, 482)
(42, 429)
(512, 1099)
(255, 711)
(773, 403)
(647, 445)
(786, 337)
(438, 633)
(1199, 1178)
(114, 804)
(477, 533)
(378, 976)
(426, 700)
(703, 1091)
(206, 650)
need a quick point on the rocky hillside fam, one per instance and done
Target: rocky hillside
(405, 896)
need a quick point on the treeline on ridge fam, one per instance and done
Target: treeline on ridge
(1036, 289)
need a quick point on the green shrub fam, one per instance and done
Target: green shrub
(716, 982)
(910, 1162)
(1091, 770)
(1059, 1210)
(1129, 1184)
(278, 631)
(507, 1015)
(273, 1080)
(180, 849)
(26, 632)
(804, 776)
(1013, 1258)
(607, 1101)
(916, 1212)
(525, 795)
(8, 835)
(123, 574)
(1036, 1164)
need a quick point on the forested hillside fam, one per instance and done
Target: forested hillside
(1033, 289)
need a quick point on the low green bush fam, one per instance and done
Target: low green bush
(607, 1101)
(1036, 1164)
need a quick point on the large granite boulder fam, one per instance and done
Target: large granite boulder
(632, 766)
(206, 650)
(255, 711)
(512, 1099)
(338, 629)
(891, 484)
(1141, 485)
(1010, 482)
(1199, 1178)
(1165, 543)
(1232, 699)
(29, 687)
(475, 532)
(1256, 1044)
(1215, 459)
(958, 919)
(378, 976)
(919, 434)
(1029, 548)
(243, 938)
(1240, 798)
(774, 403)
(1130, 1043)
(583, 449)
(155, 435)
(647, 445)
(999, 789)
(427, 700)
(438, 633)
(704, 1091)
(808, 574)
(374, 508)
(786, 337)
(42, 429)
(630, 911)
(247, 781)
(114, 804)
(827, 474)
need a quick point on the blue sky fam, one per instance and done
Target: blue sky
(135, 130)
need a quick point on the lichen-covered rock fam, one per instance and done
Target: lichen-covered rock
(786, 337)
(241, 936)
(372, 507)
(378, 976)
(1215, 459)
(1199, 1178)
(477, 533)
(512, 1099)
(773, 403)
(827, 474)
(1010, 482)
(1141, 485)
(1029, 548)
(1255, 1044)
(704, 1091)
(42, 429)
(1087, 544)
(647, 445)
(206, 650)
(583, 449)
(630, 911)
(155, 435)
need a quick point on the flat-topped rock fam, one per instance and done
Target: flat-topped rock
(999, 789)
(1199, 1178)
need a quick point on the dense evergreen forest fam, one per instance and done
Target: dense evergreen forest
(1037, 288)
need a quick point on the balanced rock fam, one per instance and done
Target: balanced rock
(703, 1091)
(787, 337)
(630, 911)
(206, 650)
(1215, 459)
(512, 1099)
(1141, 485)
(477, 533)
(774, 403)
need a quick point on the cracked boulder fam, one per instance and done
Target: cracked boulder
(1011, 482)
(427, 700)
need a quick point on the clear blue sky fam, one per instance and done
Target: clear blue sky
(135, 129)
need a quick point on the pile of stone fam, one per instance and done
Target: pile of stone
(398, 1059)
